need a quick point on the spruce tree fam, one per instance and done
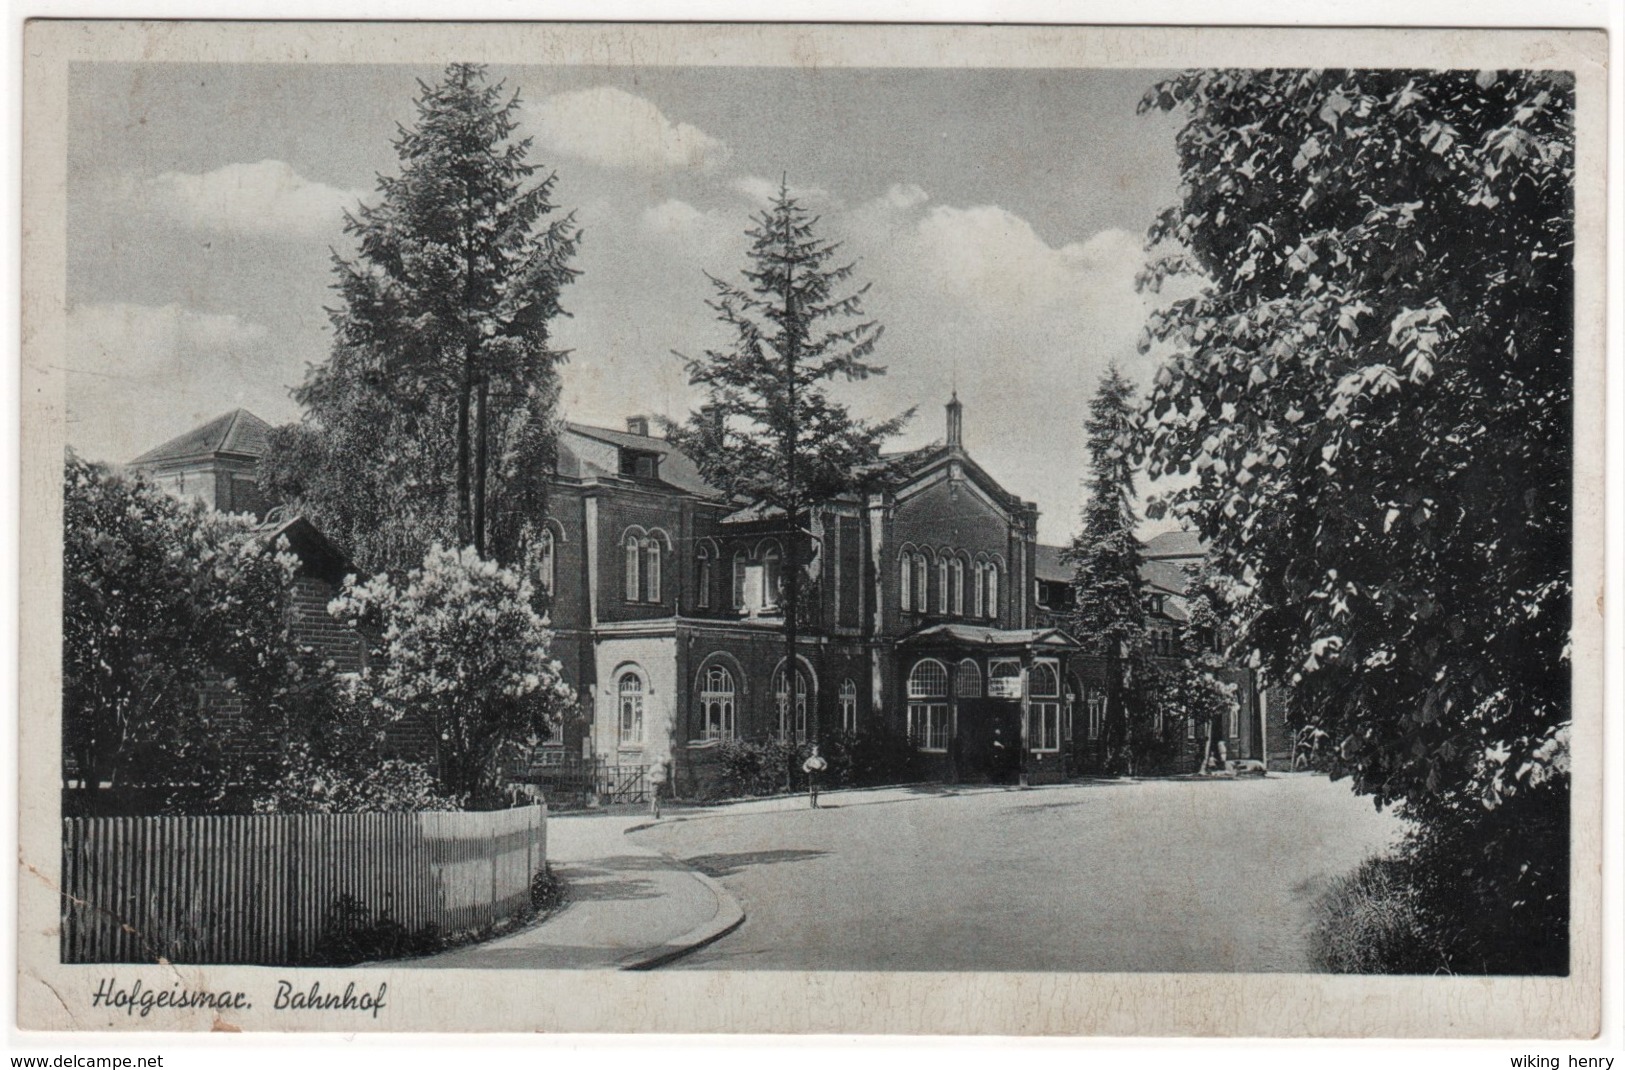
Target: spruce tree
(432, 419)
(1109, 617)
(769, 433)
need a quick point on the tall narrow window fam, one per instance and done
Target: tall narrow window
(633, 571)
(921, 582)
(956, 583)
(781, 692)
(944, 596)
(770, 575)
(993, 589)
(849, 706)
(1043, 707)
(651, 570)
(979, 592)
(631, 702)
(968, 680)
(740, 565)
(905, 581)
(545, 573)
(702, 577)
(717, 703)
(928, 705)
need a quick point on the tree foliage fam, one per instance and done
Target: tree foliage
(769, 432)
(433, 419)
(1109, 609)
(1373, 394)
(1371, 400)
(159, 597)
(460, 645)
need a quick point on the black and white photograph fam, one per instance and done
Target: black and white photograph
(532, 507)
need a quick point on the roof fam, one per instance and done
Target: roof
(317, 554)
(980, 635)
(1050, 567)
(1175, 544)
(675, 467)
(238, 431)
(1165, 575)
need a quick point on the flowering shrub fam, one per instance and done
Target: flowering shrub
(461, 645)
(157, 595)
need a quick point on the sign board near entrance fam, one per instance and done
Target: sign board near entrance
(1004, 687)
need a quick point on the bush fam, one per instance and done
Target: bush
(352, 933)
(757, 767)
(1468, 892)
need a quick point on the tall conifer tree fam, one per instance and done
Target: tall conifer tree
(433, 419)
(1109, 617)
(769, 433)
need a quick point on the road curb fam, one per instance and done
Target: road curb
(729, 916)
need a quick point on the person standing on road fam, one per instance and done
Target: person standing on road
(814, 765)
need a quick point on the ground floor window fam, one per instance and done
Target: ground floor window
(1044, 726)
(928, 725)
(849, 706)
(1095, 703)
(717, 703)
(781, 693)
(631, 702)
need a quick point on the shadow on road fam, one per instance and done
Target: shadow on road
(587, 882)
(726, 865)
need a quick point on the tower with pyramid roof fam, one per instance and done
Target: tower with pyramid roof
(216, 462)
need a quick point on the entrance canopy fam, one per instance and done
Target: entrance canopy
(973, 637)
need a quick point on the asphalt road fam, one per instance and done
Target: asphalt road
(1169, 875)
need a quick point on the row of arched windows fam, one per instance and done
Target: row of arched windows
(950, 584)
(718, 705)
(930, 714)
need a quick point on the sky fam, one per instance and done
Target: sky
(998, 216)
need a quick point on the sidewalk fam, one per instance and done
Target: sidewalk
(627, 907)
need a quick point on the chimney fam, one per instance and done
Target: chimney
(637, 425)
(956, 423)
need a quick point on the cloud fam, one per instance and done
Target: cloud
(134, 341)
(764, 191)
(264, 199)
(141, 374)
(613, 128)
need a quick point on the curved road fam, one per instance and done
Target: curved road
(1168, 875)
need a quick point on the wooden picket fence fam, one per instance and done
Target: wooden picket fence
(260, 889)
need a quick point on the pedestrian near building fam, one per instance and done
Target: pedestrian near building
(814, 765)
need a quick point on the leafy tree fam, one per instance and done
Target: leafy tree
(161, 597)
(432, 421)
(1109, 610)
(769, 432)
(461, 645)
(1203, 687)
(1372, 398)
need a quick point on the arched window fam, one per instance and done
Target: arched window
(956, 584)
(921, 582)
(849, 706)
(905, 580)
(945, 598)
(702, 577)
(928, 705)
(633, 568)
(651, 570)
(993, 589)
(771, 559)
(630, 691)
(545, 572)
(979, 592)
(968, 680)
(739, 579)
(1043, 707)
(717, 703)
(781, 694)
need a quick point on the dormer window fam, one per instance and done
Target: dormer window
(640, 464)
